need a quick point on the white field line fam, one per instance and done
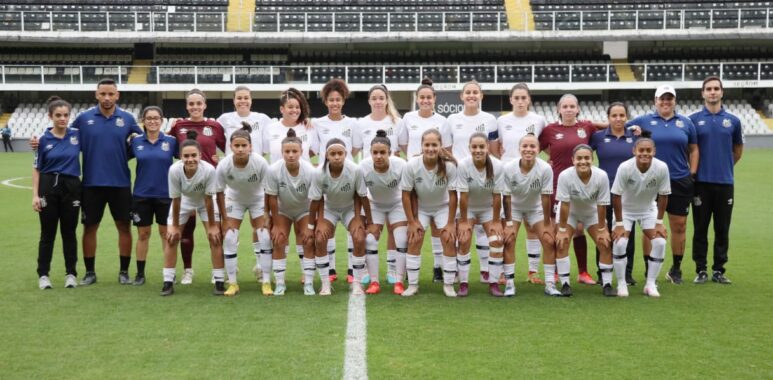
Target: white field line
(9, 184)
(355, 353)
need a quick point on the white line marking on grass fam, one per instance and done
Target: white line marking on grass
(355, 354)
(9, 184)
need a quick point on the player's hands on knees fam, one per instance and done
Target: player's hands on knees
(448, 233)
(415, 232)
(496, 230)
(322, 232)
(375, 230)
(562, 239)
(618, 232)
(172, 234)
(660, 230)
(464, 230)
(213, 233)
(278, 236)
(602, 238)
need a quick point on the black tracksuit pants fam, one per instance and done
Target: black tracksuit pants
(60, 201)
(711, 200)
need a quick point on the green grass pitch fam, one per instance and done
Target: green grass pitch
(114, 331)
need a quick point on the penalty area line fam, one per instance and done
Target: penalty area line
(355, 353)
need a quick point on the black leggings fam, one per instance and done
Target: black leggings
(60, 201)
(7, 143)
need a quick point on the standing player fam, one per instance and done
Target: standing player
(211, 137)
(480, 203)
(677, 143)
(639, 180)
(511, 128)
(295, 115)
(240, 178)
(410, 133)
(720, 138)
(287, 188)
(559, 140)
(583, 193)
(340, 182)
(456, 134)
(382, 173)
(234, 121)
(528, 186)
(56, 192)
(154, 152)
(192, 183)
(433, 177)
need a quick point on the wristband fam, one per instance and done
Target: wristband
(311, 226)
(619, 224)
(602, 229)
(561, 229)
(509, 223)
(658, 221)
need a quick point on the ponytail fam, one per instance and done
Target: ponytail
(243, 132)
(190, 140)
(55, 102)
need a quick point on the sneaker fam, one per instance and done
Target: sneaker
(585, 278)
(349, 278)
(629, 280)
(167, 289)
(219, 289)
(701, 278)
(651, 290)
(357, 289)
(365, 279)
(411, 290)
(70, 281)
(308, 290)
(374, 288)
(89, 278)
(266, 288)
(333, 275)
(258, 272)
(464, 289)
(566, 290)
(493, 289)
(124, 279)
(139, 280)
(398, 288)
(233, 289)
(484, 277)
(449, 290)
(279, 289)
(44, 283)
(535, 279)
(550, 290)
(391, 277)
(675, 276)
(720, 278)
(326, 289)
(510, 290)
(437, 274)
(187, 277)
(608, 291)
(622, 290)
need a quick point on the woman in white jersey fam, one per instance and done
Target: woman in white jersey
(295, 115)
(287, 196)
(240, 177)
(432, 175)
(456, 134)
(383, 116)
(409, 135)
(528, 185)
(382, 173)
(192, 183)
(583, 195)
(336, 125)
(338, 193)
(639, 180)
(232, 121)
(511, 128)
(480, 202)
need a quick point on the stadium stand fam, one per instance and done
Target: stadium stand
(31, 119)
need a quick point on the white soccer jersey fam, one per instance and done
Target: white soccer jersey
(473, 181)
(383, 188)
(638, 189)
(511, 129)
(194, 189)
(526, 190)
(366, 130)
(339, 192)
(232, 122)
(431, 190)
(412, 126)
(292, 192)
(276, 132)
(243, 185)
(327, 129)
(459, 127)
(584, 199)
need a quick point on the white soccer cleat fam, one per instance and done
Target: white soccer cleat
(308, 289)
(44, 283)
(550, 290)
(449, 290)
(622, 289)
(326, 289)
(652, 291)
(70, 282)
(188, 277)
(410, 290)
(510, 290)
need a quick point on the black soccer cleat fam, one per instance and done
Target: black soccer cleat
(168, 289)
(437, 274)
(609, 291)
(89, 278)
(566, 290)
(701, 278)
(124, 279)
(675, 276)
(139, 280)
(630, 280)
(219, 288)
(720, 278)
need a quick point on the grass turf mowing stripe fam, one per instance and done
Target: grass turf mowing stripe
(355, 353)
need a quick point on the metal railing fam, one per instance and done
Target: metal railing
(389, 74)
(264, 22)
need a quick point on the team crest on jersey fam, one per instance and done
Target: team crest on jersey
(489, 184)
(726, 123)
(679, 124)
(347, 132)
(183, 131)
(255, 126)
(652, 183)
(607, 140)
(119, 122)
(282, 184)
(253, 178)
(629, 140)
(90, 122)
(595, 195)
(74, 140)
(559, 136)
(346, 188)
(441, 181)
(207, 131)
(305, 138)
(392, 184)
(199, 188)
(165, 146)
(480, 128)
(325, 186)
(469, 179)
(301, 188)
(140, 147)
(701, 123)
(653, 122)
(535, 185)
(531, 128)
(581, 133)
